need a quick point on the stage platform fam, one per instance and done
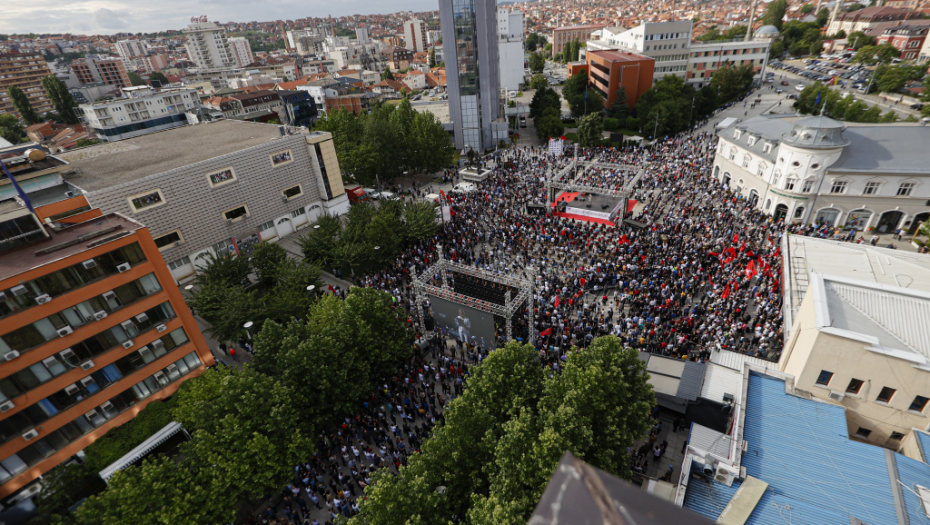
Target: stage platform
(600, 209)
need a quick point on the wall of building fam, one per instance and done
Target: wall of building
(707, 58)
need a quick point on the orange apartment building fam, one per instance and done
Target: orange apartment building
(610, 69)
(25, 71)
(109, 70)
(93, 328)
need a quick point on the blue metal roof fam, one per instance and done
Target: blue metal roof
(912, 473)
(814, 471)
(923, 440)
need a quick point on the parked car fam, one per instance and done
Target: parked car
(785, 83)
(918, 106)
(464, 187)
(799, 87)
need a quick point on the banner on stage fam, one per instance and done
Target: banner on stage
(556, 146)
(587, 213)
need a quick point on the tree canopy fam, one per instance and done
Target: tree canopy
(22, 105)
(581, 98)
(847, 109)
(775, 12)
(61, 98)
(589, 130)
(388, 142)
(731, 81)
(543, 99)
(504, 436)
(875, 54)
(11, 130)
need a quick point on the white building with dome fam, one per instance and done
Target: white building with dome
(818, 170)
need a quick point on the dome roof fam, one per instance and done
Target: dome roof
(816, 132)
(767, 31)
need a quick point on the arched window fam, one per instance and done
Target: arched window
(789, 184)
(798, 212)
(716, 172)
(753, 198)
(768, 204)
(732, 153)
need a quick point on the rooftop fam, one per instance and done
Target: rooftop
(113, 163)
(64, 243)
(888, 149)
(815, 473)
(619, 56)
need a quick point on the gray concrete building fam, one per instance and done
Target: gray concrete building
(473, 78)
(218, 187)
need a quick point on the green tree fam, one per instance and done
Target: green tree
(420, 221)
(620, 107)
(777, 49)
(823, 16)
(135, 79)
(538, 82)
(64, 486)
(158, 75)
(775, 12)
(855, 6)
(589, 130)
(22, 105)
(581, 100)
(543, 99)
(876, 54)
(860, 40)
(11, 130)
(537, 62)
(61, 98)
(732, 81)
(531, 42)
(318, 244)
(386, 74)
(549, 125)
(83, 143)
(432, 57)
(807, 8)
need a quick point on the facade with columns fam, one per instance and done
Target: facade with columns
(806, 170)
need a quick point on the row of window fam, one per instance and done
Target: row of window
(885, 396)
(26, 295)
(66, 321)
(727, 52)
(33, 415)
(67, 434)
(121, 335)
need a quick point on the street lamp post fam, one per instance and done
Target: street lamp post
(247, 326)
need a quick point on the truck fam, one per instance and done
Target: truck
(357, 195)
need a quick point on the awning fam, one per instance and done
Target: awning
(139, 452)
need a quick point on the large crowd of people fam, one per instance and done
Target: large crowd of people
(693, 270)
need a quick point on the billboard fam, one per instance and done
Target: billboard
(463, 323)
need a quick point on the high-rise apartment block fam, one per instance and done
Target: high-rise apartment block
(131, 48)
(141, 111)
(108, 70)
(510, 48)
(25, 71)
(469, 35)
(667, 42)
(415, 35)
(241, 50)
(93, 327)
(208, 47)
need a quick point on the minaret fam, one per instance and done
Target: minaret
(836, 13)
(752, 13)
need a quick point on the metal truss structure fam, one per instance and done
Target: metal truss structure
(555, 183)
(423, 287)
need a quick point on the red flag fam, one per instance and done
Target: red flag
(624, 240)
(547, 331)
(732, 251)
(451, 213)
(571, 302)
(443, 194)
(743, 247)
(583, 281)
(557, 301)
(331, 289)
(735, 239)
(750, 269)
(713, 254)
(726, 292)
(711, 280)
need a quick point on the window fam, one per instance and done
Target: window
(752, 141)
(223, 176)
(236, 213)
(732, 154)
(746, 159)
(266, 226)
(766, 148)
(174, 265)
(149, 199)
(789, 184)
(168, 240)
(824, 378)
(918, 404)
(896, 436)
(815, 166)
(808, 186)
(871, 188)
(293, 191)
(855, 385)
(863, 433)
(798, 212)
(885, 395)
(298, 212)
(281, 157)
(905, 189)
(839, 186)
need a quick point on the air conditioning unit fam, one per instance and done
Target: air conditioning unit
(87, 365)
(160, 376)
(143, 317)
(50, 361)
(66, 354)
(177, 243)
(128, 344)
(229, 221)
(125, 267)
(69, 194)
(156, 344)
(144, 350)
(65, 331)
(126, 325)
(161, 328)
(72, 389)
(284, 198)
(109, 296)
(100, 315)
(87, 381)
(89, 263)
(837, 396)
(18, 290)
(106, 406)
(44, 298)
(171, 368)
(725, 475)
(29, 435)
(91, 415)
(11, 355)
(7, 406)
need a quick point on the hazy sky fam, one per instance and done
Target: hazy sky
(114, 16)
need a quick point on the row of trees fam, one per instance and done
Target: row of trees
(671, 104)
(533, 41)
(504, 436)
(368, 236)
(388, 142)
(58, 95)
(818, 96)
(250, 426)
